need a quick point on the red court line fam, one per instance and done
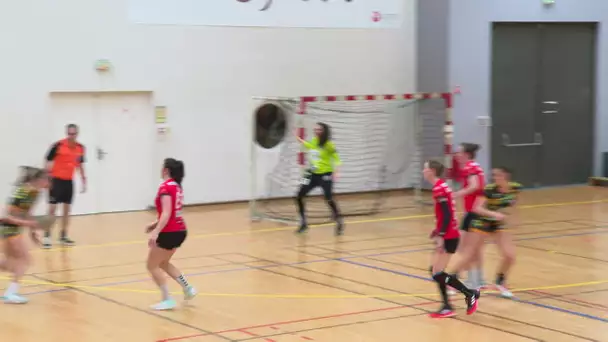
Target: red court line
(575, 300)
(254, 335)
(272, 325)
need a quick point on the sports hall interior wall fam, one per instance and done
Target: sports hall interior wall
(205, 76)
(470, 63)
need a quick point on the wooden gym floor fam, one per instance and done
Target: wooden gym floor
(262, 283)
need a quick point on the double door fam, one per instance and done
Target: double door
(543, 93)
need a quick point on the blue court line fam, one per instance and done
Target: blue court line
(249, 268)
(521, 301)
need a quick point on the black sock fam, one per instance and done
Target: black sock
(301, 210)
(47, 234)
(334, 209)
(453, 281)
(63, 234)
(443, 289)
(500, 279)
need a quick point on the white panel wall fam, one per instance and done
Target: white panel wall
(204, 75)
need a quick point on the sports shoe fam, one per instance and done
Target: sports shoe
(339, 227)
(504, 292)
(444, 312)
(47, 243)
(15, 299)
(472, 302)
(66, 241)
(303, 228)
(189, 293)
(168, 304)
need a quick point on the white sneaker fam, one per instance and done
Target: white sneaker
(47, 243)
(168, 304)
(504, 292)
(189, 292)
(15, 299)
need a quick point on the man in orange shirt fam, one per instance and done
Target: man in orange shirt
(64, 157)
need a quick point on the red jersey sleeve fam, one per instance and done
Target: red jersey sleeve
(164, 190)
(439, 192)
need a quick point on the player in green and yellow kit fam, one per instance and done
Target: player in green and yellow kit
(323, 162)
(17, 216)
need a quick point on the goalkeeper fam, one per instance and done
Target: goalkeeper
(323, 162)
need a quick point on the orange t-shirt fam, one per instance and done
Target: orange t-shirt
(66, 158)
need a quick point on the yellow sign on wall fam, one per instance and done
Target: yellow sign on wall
(160, 114)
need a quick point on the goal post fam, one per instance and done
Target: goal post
(382, 140)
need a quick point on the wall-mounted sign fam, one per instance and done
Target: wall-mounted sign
(270, 13)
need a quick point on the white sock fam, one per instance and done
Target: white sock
(12, 289)
(479, 276)
(164, 290)
(473, 277)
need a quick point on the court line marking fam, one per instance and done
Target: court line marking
(305, 296)
(352, 313)
(278, 229)
(576, 301)
(249, 268)
(269, 325)
(576, 313)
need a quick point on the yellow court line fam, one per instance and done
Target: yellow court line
(300, 296)
(278, 229)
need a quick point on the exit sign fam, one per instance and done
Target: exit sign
(548, 2)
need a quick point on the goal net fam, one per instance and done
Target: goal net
(382, 141)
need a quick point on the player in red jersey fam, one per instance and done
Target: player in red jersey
(446, 237)
(472, 189)
(168, 233)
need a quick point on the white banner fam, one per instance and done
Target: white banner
(270, 13)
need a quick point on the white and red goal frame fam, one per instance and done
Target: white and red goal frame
(304, 101)
(448, 126)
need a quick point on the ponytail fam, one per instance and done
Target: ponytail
(470, 149)
(176, 169)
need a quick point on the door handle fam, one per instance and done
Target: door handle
(538, 141)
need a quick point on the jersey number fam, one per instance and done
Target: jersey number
(179, 202)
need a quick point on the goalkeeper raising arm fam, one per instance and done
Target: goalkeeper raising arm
(323, 162)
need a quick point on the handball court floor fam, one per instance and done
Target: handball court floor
(259, 282)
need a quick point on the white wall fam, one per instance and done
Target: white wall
(206, 77)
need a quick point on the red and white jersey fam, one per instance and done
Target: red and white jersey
(471, 168)
(443, 193)
(174, 191)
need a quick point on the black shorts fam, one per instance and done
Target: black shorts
(451, 245)
(61, 191)
(485, 226)
(171, 240)
(468, 218)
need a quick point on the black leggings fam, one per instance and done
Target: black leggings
(311, 181)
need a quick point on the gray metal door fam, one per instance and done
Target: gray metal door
(567, 94)
(515, 93)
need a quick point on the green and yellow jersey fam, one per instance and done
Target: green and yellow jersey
(322, 159)
(497, 200)
(19, 204)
